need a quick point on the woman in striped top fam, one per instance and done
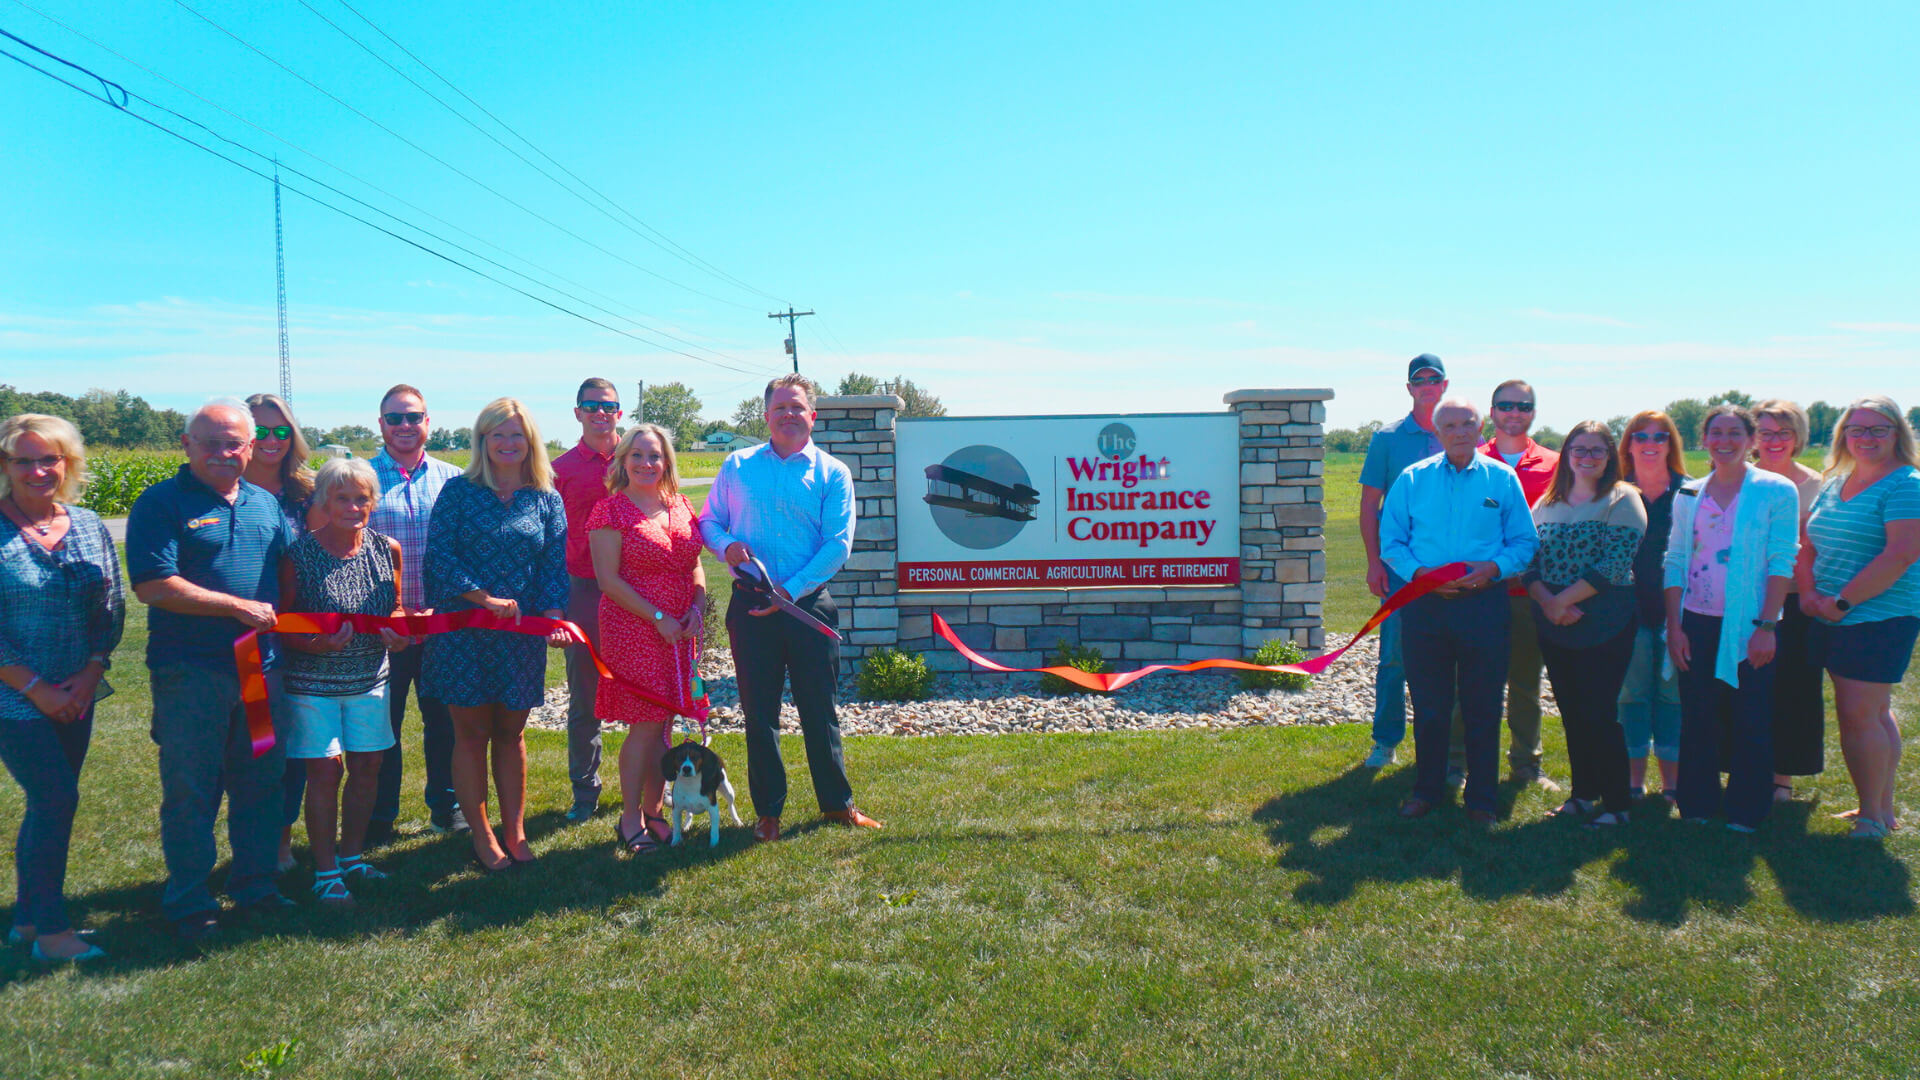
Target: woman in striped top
(1857, 576)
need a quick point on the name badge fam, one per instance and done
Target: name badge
(197, 522)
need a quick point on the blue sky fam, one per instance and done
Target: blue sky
(1026, 208)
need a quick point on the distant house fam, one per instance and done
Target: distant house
(333, 450)
(729, 441)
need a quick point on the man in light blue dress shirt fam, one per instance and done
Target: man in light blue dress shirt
(789, 504)
(1460, 506)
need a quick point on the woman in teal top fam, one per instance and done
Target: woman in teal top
(1856, 572)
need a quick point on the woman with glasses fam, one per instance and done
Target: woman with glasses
(1652, 459)
(1729, 563)
(1857, 576)
(496, 541)
(1799, 712)
(1581, 586)
(62, 607)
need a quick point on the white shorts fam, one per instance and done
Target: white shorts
(323, 727)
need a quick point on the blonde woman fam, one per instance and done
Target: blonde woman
(62, 607)
(496, 541)
(645, 541)
(1857, 576)
(1799, 713)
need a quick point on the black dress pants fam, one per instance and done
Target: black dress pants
(769, 651)
(1586, 684)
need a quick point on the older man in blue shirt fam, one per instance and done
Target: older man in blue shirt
(1460, 506)
(789, 504)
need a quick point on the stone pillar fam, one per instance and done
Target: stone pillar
(1283, 568)
(858, 430)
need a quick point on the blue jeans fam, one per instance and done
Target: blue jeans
(205, 750)
(1390, 686)
(44, 758)
(1649, 703)
(1457, 650)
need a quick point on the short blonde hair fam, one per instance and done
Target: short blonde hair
(63, 436)
(1840, 456)
(617, 472)
(792, 378)
(339, 472)
(535, 472)
(1788, 413)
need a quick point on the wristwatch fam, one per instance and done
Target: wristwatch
(659, 615)
(1765, 624)
(1840, 604)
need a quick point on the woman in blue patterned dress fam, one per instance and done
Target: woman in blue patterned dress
(62, 607)
(496, 541)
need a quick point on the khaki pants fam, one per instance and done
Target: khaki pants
(1523, 698)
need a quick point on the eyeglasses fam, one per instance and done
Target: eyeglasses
(1877, 431)
(1427, 380)
(403, 419)
(1776, 436)
(1650, 436)
(230, 446)
(47, 462)
(281, 432)
(1513, 406)
(1589, 452)
(600, 406)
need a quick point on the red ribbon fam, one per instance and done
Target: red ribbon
(253, 679)
(1413, 590)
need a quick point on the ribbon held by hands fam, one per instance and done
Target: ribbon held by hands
(1413, 590)
(253, 677)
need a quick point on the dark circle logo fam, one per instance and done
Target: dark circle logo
(981, 496)
(1115, 441)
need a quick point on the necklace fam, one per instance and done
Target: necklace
(42, 529)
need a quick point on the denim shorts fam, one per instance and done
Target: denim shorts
(1875, 652)
(322, 727)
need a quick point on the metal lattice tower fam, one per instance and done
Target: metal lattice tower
(280, 288)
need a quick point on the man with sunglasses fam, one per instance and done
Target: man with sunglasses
(580, 475)
(410, 481)
(1395, 446)
(203, 551)
(1512, 414)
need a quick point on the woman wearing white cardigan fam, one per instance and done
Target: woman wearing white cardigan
(1729, 563)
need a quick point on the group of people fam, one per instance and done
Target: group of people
(247, 531)
(1692, 618)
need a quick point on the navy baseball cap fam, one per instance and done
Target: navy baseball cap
(1422, 362)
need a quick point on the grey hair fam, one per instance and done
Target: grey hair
(240, 409)
(1458, 403)
(339, 472)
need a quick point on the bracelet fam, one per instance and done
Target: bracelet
(31, 683)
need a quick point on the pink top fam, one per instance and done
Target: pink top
(1712, 547)
(580, 475)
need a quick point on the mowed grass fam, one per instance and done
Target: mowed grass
(1239, 903)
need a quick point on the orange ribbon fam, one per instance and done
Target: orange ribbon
(1413, 590)
(253, 678)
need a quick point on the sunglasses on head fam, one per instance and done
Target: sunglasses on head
(399, 419)
(1513, 406)
(1649, 436)
(601, 406)
(279, 431)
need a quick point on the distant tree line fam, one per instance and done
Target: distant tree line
(105, 417)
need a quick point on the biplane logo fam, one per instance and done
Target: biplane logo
(981, 496)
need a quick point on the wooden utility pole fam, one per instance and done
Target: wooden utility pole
(790, 315)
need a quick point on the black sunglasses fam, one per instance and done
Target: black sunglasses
(400, 419)
(1649, 436)
(1513, 406)
(280, 431)
(1427, 380)
(601, 406)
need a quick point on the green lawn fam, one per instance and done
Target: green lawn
(1238, 903)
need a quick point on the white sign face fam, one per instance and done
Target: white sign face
(1050, 502)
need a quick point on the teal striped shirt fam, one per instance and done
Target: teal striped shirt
(1848, 534)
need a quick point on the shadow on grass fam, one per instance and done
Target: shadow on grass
(433, 887)
(1346, 832)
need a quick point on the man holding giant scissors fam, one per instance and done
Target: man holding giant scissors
(786, 506)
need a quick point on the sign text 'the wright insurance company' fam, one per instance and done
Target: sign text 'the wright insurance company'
(1051, 502)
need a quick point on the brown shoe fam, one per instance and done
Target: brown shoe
(766, 829)
(852, 816)
(1414, 807)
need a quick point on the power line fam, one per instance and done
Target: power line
(184, 6)
(793, 341)
(663, 243)
(106, 97)
(126, 95)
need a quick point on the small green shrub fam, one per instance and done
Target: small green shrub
(1087, 658)
(1276, 651)
(892, 675)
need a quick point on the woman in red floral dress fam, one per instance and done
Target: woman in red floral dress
(645, 542)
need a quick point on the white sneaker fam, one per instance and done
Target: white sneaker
(1381, 757)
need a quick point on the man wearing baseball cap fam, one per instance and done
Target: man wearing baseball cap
(1395, 446)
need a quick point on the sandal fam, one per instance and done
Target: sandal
(1608, 820)
(1867, 828)
(358, 866)
(642, 842)
(331, 887)
(1572, 808)
(489, 868)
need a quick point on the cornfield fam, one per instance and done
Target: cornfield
(119, 476)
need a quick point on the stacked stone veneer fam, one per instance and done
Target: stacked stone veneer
(1282, 557)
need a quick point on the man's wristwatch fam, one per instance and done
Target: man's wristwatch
(1765, 624)
(1840, 604)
